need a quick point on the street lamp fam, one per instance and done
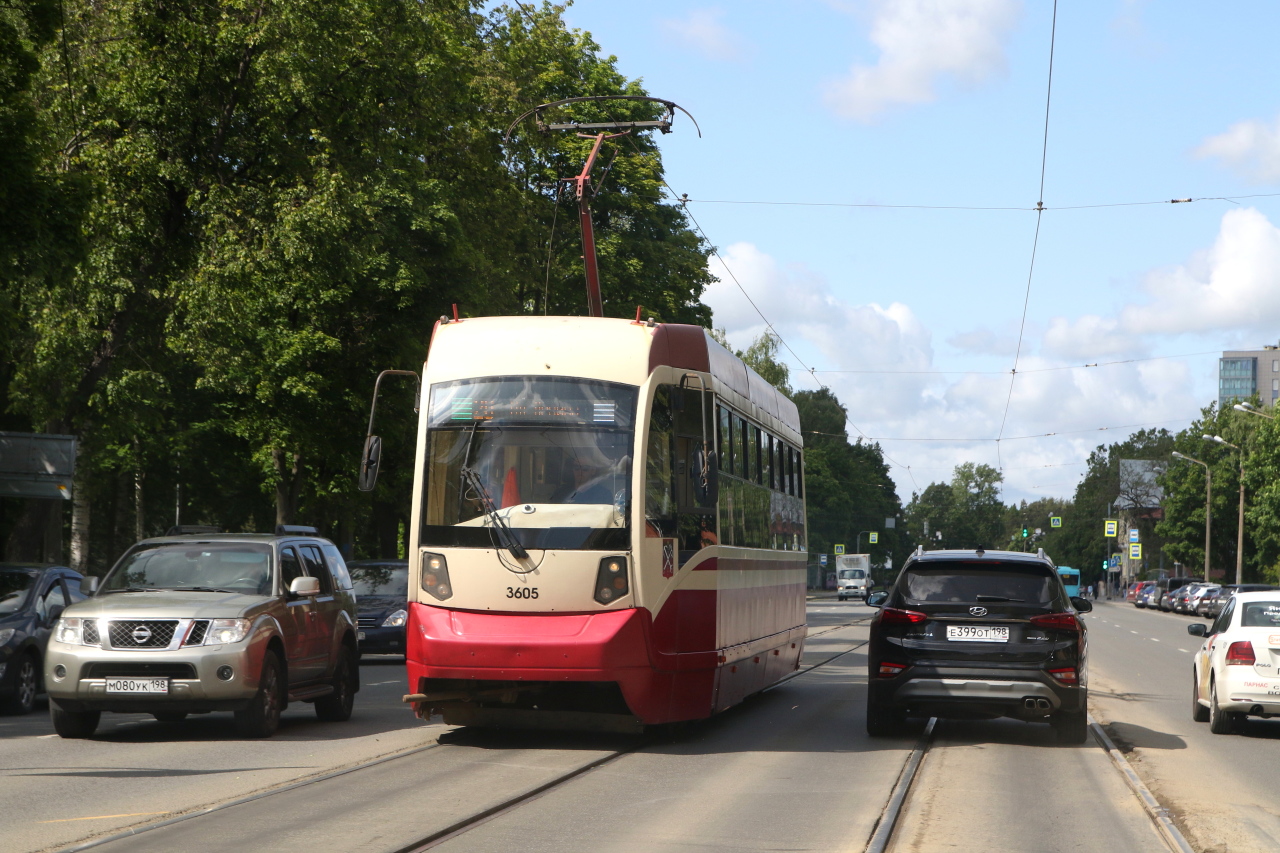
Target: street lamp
(858, 541)
(1240, 525)
(1208, 498)
(1246, 407)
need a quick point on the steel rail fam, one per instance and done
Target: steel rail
(882, 835)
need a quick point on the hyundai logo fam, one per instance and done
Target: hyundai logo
(978, 611)
(142, 633)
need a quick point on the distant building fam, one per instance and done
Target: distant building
(1243, 373)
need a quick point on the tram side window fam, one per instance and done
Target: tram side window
(788, 459)
(742, 459)
(659, 503)
(766, 454)
(799, 474)
(753, 450)
(726, 441)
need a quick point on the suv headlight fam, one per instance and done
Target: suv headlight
(69, 630)
(395, 619)
(227, 631)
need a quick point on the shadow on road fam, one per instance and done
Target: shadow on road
(1129, 736)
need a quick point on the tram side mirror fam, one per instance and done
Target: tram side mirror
(1082, 605)
(1198, 629)
(876, 599)
(369, 462)
(89, 585)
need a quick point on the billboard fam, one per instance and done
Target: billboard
(36, 466)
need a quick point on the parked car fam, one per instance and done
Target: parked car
(1143, 596)
(1230, 589)
(32, 597)
(1204, 607)
(1194, 598)
(1132, 593)
(1169, 586)
(978, 633)
(1180, 599)
(1235, 671)
(382, 593)
(198, 623)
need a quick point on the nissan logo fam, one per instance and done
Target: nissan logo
(142, 633)
(977, 611)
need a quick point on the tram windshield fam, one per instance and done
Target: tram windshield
(552, 455)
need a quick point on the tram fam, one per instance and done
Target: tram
(608, 526)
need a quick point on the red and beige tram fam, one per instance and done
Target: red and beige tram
(608, 526)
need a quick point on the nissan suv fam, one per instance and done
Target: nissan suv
(978, 634)
(192, 624)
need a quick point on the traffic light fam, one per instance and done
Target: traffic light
(1024, 533)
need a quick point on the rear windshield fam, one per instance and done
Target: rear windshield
(1261, 614)
(971, 582)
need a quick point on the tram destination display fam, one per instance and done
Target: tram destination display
(532, 401)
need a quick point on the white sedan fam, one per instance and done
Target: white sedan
(1237, 669)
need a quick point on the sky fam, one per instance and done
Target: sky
(869, 172)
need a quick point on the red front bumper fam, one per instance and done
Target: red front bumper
(614, 646)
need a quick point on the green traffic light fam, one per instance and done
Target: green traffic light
(1024, 533)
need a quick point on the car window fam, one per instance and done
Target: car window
(337, 565)
(316, 568)
(1260, 614)
(1224, 618)
(13, 589)
(239, 567)
(73, 588)
(290, 567)
(967, 581)
(51, 598)
(381, 579)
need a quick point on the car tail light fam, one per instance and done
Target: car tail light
(1066, 675)
(1061, 621)
(889, 670)
(611, 580)
(435, 576)
(893, 615)
(1241, 652)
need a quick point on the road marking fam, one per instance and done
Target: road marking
(1133, 632)
(1153, 639)
(376, 683)
(101, 817)
(42, 737)
(1184, 651)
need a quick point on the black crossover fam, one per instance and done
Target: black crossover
(978, 634)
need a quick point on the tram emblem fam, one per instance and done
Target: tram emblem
(668, 558)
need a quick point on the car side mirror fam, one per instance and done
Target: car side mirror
(54, 612)
(89, 585)
(1198, 629)
(306, 586)
(1082, 605)
(369, 462)
(876, 599)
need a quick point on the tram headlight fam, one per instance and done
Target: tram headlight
(611, 580)
(435, 576)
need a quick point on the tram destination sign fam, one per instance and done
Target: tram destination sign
(532, 401)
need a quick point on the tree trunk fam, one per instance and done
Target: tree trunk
(80, 515)
(288, 484)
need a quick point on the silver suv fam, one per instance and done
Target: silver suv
(192, 624)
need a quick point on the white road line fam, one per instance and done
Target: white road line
(1133, 632)
(1184, 651)
(1153, 639)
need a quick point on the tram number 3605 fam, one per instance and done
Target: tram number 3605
(522, 592)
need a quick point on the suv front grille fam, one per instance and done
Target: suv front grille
(141, 634)
(196, 636)
(138, 670)
(91, 637)
(367, 622)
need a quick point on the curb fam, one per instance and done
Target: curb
(1158, 813)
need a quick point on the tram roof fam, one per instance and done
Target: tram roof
(603, 348)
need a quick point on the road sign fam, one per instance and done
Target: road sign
(1133, 534)
(1135, 551)
(1055, 521)
(875, 538)
(822, 559)
(839, 550)
(1115, 561)
(1110, 527)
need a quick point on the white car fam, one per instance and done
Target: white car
(1237, 668)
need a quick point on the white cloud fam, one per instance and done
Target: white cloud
(704, 31)
(921, 41)
(983, 342)
(1251, 148)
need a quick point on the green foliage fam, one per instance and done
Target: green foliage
(966, 513)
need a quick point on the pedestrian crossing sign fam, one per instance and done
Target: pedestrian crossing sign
(1055, 521)
(1135, 551)
(839, 549)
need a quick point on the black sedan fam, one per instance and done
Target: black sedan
(382, 600)
(32, 597)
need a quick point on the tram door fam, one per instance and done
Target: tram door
(682, 474)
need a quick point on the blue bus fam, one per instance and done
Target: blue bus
(1070, 579)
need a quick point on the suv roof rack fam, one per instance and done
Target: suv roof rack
(302, 529)
(192, 529)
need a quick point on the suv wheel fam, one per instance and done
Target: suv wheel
(1071, 726)
(26, 682)
(74, 724)
(336, 707)
(262, 717)
(882, 721)
(1199, 713)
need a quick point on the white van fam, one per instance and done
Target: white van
(853, 573)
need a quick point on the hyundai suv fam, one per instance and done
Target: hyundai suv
(978, 634)
(191, 624)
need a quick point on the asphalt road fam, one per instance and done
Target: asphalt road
(1221, 789)
(791, 769)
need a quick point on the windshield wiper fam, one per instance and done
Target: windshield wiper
(505, 536)
(998, 598)
(136, 589)
(202, 589)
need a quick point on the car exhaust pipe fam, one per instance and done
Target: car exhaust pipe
(1029, 703)
(1043, 705)
(1256, 711)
